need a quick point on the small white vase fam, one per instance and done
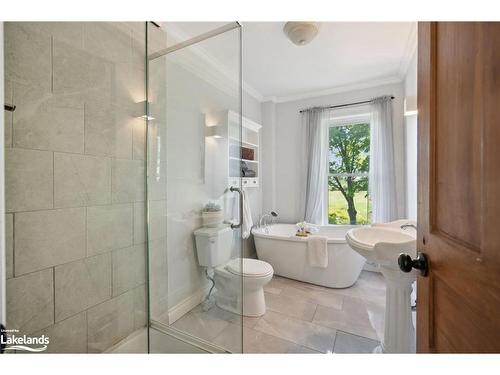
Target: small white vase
(212, 219)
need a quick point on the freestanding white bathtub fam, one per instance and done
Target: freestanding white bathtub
(287, 253)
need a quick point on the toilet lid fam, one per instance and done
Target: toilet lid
(251, 267)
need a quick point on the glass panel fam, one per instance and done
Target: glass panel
(348, 198)
(194, 127)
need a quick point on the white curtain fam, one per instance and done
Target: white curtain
(382, 179)
(315, 158)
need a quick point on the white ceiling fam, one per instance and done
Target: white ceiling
(343, 55)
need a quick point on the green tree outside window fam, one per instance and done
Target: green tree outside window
(349, 160)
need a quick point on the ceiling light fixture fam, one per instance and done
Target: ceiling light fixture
(301, 33)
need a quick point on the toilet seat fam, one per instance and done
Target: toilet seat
(247, 275)
(252, 268)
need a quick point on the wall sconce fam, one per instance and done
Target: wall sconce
(411, 106)
(140, 110)
(215, 131)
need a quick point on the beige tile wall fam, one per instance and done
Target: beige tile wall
(76, 258)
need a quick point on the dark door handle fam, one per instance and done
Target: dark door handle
(406, 264)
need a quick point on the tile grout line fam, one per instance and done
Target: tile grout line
(52, 64)
(34, 148)
(111, 273)
(133, 224)
(112, 166)
(54, 291)
(86, 233)
(77, 260)
(315, 311)
(285, 339)
(335, 340)
(356, 335)
(13, 244)
(12, 98)
(109, 162)
(297, 320)
(53, 180)
(84, 122)
(74, 207)
(87, 328)
(86, 310)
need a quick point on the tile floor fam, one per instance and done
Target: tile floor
(300, 318)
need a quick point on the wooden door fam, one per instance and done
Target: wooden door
(458, 308)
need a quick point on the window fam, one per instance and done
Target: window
(349, 156)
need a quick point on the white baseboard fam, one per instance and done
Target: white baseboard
(133, 343)
(187, 304)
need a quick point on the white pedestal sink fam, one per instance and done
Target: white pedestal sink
(382, 244)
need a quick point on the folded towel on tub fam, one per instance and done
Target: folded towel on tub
(317, 251)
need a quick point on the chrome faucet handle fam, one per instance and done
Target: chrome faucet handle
(264, 219)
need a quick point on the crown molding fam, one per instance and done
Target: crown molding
(213, 65)
(335, 90)
(250, 90)
(409, 52)
(212, 62)
(272, 99)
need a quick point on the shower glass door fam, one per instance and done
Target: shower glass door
(194, 152)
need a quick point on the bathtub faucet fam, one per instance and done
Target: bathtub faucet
(264, 219)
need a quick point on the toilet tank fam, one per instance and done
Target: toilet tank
(213, 245)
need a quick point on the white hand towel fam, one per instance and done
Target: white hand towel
(317, 251)
(246, 226)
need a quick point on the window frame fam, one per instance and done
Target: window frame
(336, 121)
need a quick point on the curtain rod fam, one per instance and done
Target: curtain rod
(341, 105)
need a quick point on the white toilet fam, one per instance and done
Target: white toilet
(214, 246)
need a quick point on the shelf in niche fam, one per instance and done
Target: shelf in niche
(244, 143)
(245, 160)
(235, 131)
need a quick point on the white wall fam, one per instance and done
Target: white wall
(281, 132)
(251, 108)
(190, 94)
(410, 87)
(268, 157)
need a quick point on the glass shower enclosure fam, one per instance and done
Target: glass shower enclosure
(193, 202)
(122, 150)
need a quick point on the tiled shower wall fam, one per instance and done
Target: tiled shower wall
(75, 149)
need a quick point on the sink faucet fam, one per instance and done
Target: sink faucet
(404, 226)
(263, 219)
